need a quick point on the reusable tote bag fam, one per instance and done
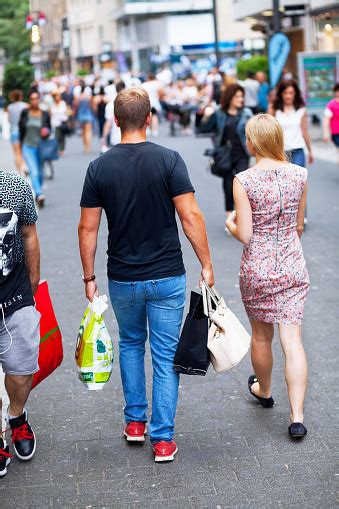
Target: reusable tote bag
(228, 341)
(191, 357)
(49, 149)
(50, 350)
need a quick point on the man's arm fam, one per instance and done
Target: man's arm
(32, 254)
(88, 236)
(194, 227)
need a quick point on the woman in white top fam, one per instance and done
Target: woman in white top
(58, 112)
(289, 109)
(154, 89)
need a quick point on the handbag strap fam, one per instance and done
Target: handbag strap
(209, 295)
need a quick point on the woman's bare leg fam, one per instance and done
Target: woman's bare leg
(295, 369)
(18, 159)
(262, 358)
(87, 136)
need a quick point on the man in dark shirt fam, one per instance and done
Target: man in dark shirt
(140, 186)
(19, 320)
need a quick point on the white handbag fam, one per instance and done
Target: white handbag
(228, 340)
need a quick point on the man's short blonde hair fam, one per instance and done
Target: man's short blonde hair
(131, 108)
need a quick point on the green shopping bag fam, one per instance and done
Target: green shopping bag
(94, 348)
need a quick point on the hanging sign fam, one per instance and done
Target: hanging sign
(278, 50)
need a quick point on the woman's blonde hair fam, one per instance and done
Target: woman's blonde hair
(265, 133)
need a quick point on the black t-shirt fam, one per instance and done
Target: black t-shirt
(16, 210)
(135, 183)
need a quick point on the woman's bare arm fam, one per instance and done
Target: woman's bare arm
(301, 212)
(240, 222)
(306, 136)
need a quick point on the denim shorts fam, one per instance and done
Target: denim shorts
(22, 356)
(15, 138)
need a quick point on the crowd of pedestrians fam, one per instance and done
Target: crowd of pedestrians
(212, 104)
(265, 207)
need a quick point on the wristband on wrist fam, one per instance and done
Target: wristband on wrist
(88, 279)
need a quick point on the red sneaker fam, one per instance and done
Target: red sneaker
(135, 431)
(164, 451)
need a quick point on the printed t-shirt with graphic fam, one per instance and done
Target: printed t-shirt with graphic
(17, 209)
(135, 184)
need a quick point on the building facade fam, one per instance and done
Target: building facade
(152, 31)
(93, 36)
(51, 51)
(312, 25)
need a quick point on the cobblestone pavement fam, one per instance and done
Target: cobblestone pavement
(232, 452)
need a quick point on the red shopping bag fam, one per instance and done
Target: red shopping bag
(50, 350)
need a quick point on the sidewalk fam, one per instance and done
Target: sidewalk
(232, 452)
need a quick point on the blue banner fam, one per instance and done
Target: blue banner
(278, 51)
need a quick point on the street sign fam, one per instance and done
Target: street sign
(318, 73)
(278, 50)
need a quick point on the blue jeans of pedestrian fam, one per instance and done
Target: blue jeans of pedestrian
(160, 304)
(297, 156)
(35, 167)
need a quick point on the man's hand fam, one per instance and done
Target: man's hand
(91, 289)
(207, 275)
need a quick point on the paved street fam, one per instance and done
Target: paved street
(232, 452)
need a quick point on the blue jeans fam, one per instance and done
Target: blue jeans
(160, 303)
(35, 167)
(297, 156)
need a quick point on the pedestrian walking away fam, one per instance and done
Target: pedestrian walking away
(84, 115)
(59, 119)
(110, 131)
(19, 320)
(228, 123)
(155, 91)
(263, 93)
(140, 186)
(270, 200)
(14, 109)
(252, 88)
(34, 125)
(99, 105)
(331, 120)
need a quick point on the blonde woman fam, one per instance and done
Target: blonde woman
(270, 201)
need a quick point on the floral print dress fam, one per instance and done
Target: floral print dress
(274, 279)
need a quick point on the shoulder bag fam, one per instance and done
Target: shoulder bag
(49, 149)
(228, 341)
(221, 162)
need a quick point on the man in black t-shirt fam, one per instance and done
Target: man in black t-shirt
(19, 320)
(140, 186)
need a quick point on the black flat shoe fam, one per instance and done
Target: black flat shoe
(265, 402)
(297, 430)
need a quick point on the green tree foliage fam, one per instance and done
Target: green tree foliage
(254, 64)
(17, 75)
(14, 38)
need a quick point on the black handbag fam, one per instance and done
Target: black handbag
(192, 357)
(67, 127)
(221, 163)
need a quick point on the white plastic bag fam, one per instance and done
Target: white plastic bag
(94, 348)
